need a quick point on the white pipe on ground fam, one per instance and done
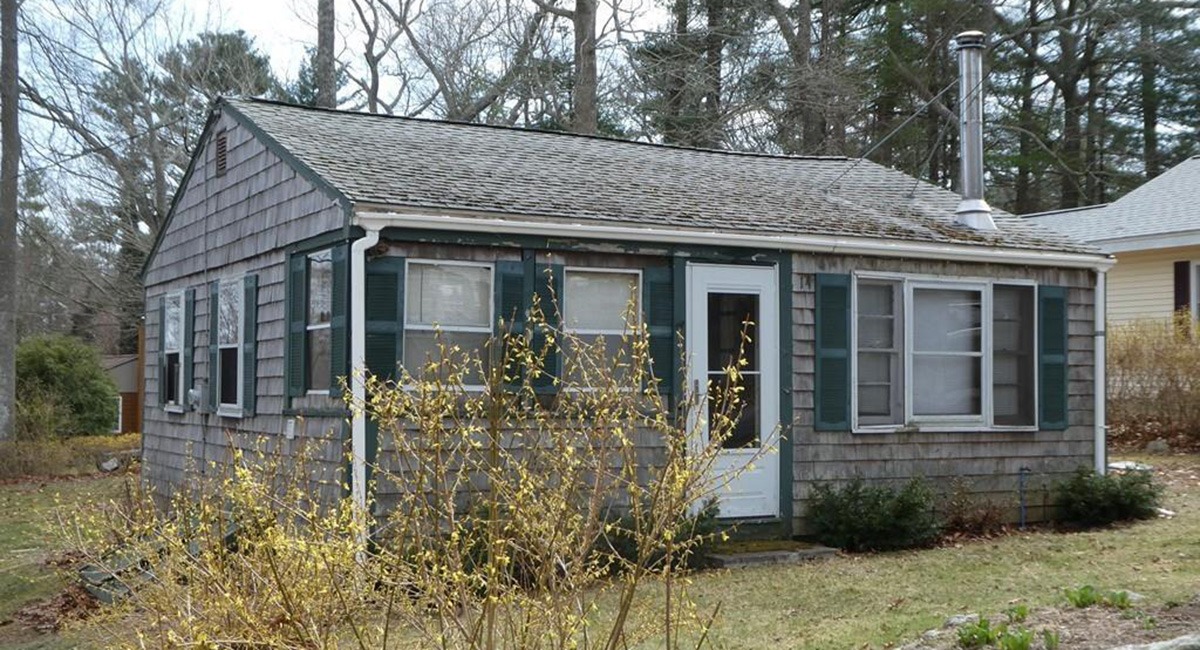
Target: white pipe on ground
(358, 365)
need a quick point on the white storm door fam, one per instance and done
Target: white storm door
(721, 298)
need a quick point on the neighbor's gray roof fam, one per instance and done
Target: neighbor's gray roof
(1164, 205)
(444, 165)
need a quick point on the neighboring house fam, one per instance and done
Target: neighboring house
(123, 370)
(894, 340)
(1154, 232)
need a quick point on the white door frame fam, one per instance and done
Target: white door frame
(754, 493)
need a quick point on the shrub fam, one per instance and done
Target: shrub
(1091, 499)
(64, 373)
(963, 513)
(498, 501)
(861, 517)
(1153, 389)
(978, 634)
(696, 531)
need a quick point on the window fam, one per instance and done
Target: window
(953, 354)
(172, 345)
(595, 303)
(454, 298)
(229, 343)
(318, 321)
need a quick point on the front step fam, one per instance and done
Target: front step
(773, 557)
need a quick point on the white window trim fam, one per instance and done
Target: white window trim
(953, 423)
(178, 405)
(470, 329)
(1194, 287)
(309, 327)
(225, 409)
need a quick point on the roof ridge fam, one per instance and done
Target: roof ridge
(517, 129)
(1078, 208)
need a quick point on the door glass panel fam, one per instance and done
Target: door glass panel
(745, 431)
(727, 312)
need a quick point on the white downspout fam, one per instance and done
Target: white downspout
(358, 366)
(1100, 389)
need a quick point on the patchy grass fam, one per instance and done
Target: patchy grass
(73, 456)
(874, 600)
(863, 601)
(27, 542)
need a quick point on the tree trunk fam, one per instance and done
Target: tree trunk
(1026, 200)
(326, 77)
(10, 162)
(1149, 94)
(583, 95)
(673, 130)
(714, 44)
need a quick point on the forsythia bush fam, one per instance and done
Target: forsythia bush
(507, 506)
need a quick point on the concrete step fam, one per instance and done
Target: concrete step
(764, 558)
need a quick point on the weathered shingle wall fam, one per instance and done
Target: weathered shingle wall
(227, 226)
(987, 463)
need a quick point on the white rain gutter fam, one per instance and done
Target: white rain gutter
(358, 365)
(1100, 390)
(425, 220)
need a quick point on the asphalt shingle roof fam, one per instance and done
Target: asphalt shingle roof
(580, 179)
(1161, 206)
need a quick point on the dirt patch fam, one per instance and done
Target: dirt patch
(1092, 628)
(71, 604)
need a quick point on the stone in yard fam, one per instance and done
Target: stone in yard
(1189, 642)
(1129, 466)
(1158, 446)
(961, 619)
(110, 465)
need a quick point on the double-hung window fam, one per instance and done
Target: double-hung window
(950, 354)
(172, 346)
(229, 343)
(453, 298)
(318, 322)
(595, 305)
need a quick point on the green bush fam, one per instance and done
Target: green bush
(64, 375)
(1091, 499)
(861, 517)
(693, 535)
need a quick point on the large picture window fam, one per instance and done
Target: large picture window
(172, 345)
(595, 302)
(931, 353)
(229, 343)
(454, 298)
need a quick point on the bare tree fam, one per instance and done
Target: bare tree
(10, 135)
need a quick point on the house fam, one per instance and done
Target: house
(123, 370)
(1154, 232)
(905, 330)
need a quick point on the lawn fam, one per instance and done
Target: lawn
(868, 601)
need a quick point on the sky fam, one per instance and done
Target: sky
(281, 28)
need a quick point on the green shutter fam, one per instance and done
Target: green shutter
(384, 316)
(339, 330)
(162, 351)
(511, 302)
(296, 311)
(250, 345)
(214, 373)
(188, 345)
(548, 285)
(658, 303)
(1052, 357)
(832, 390)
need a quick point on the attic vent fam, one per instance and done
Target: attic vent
(222, 152)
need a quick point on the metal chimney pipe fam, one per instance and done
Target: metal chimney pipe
(973, 211)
